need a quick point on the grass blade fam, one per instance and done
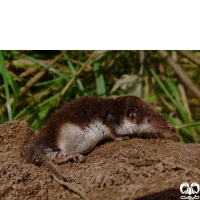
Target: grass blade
(37, 122)
(52, 69)
(188, 125)
(100, 83)
(178, 104)
(55, 80)
(38, 113)
(181, 111)
(14, 89)
(32, 104)
(186, 135)
(73, 70)
(174, 91)
(2, 115)
(163, 87)
(4, 72)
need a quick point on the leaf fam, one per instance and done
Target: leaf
(125, 82)
(99, 55)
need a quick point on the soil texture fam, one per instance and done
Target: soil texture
(130, 169)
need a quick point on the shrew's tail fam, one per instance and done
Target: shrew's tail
(61, 179)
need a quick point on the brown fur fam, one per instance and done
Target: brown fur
(83, 110)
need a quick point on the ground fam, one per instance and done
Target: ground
(131, 169)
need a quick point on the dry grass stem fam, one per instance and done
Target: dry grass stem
(77, 74)
(31, 82)
(181, 73)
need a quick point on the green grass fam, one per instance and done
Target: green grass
(100, 83)
(71, 74)
(172, 93)
(8, 80)
(73, 70)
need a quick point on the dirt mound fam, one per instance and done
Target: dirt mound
(133, 169)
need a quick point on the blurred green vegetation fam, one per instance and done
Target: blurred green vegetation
(34, 84)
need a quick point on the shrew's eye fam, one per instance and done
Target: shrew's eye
(148, 119)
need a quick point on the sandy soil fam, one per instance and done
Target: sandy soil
(134, 169)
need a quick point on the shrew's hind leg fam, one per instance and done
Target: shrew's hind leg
(74, 157)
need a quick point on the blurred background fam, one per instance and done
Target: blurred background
(34, 84)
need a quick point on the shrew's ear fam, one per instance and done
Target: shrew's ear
(132, 113)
